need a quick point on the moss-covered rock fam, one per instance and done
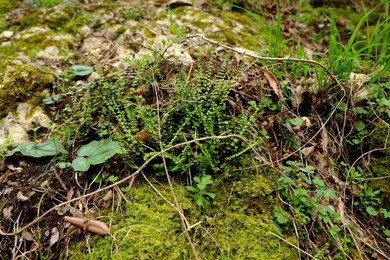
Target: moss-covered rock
(19, 82)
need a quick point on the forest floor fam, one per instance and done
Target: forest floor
(194, 130)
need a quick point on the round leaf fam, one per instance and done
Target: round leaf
(80, 164)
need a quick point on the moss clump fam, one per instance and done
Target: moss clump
(6, 5)
(380, 162)
(237, 226)
(19, 83)
(148, 229)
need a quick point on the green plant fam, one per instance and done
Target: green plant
(373, 47)
(96, 152)
(366, 199)
(48, 3)
(50, 147)
(306, 200)
(81, 70)
(275, 42)
(199, 192)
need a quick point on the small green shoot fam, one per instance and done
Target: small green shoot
(199, 192)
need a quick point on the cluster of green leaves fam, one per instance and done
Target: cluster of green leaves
(367, 200)
(199, 192)
(124, 109)
(307, 200)
(304, 194)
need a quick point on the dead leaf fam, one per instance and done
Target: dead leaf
(340, 209)
(69, 194)
(7, 212)
(235, 106)
(27, 236)
(55, 235)
(296, 96)
(21, 197)
(272, 82)
(93, 226)
(142, 135)
(171, 78)
(308, 151)
(325, 140)
(108, 196)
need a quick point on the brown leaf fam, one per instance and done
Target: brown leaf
(308, 151)
(108, 196)
(7, 212)
(340, 209)
(235, 106)
(93, 226)
(142, 135)
(27, 236)
(21, 197)
(272, 82)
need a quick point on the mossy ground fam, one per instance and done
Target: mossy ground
(240, 220)
(238, 225)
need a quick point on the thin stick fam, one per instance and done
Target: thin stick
(184, 222)
(252, 54)
(291, 244)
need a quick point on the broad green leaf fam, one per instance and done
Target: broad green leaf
(81, 70)
(80, 164)
(50, 147)
(360, 110)
(280, 217)
(206, 180)
(112, 178)
(98, 152)
(360, 126)
(295, 121)
(371, 211)
(190, 188)
(329, 193)
(210, 194)
(320, 183)
(385, 212)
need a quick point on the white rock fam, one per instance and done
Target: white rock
(85, 31)
(50, 52)
(6, 34)
(14, 127)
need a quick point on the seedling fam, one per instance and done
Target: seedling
(199, 192)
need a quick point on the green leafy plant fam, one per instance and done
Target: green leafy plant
(81, 70)
(51, 147)
(96, 152)
(304, 195)
(199, 192)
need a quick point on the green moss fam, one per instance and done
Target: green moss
(238, 226)
(248, 36)
(6, 5)
(380, 163)
(19, 83)
(31, 45)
